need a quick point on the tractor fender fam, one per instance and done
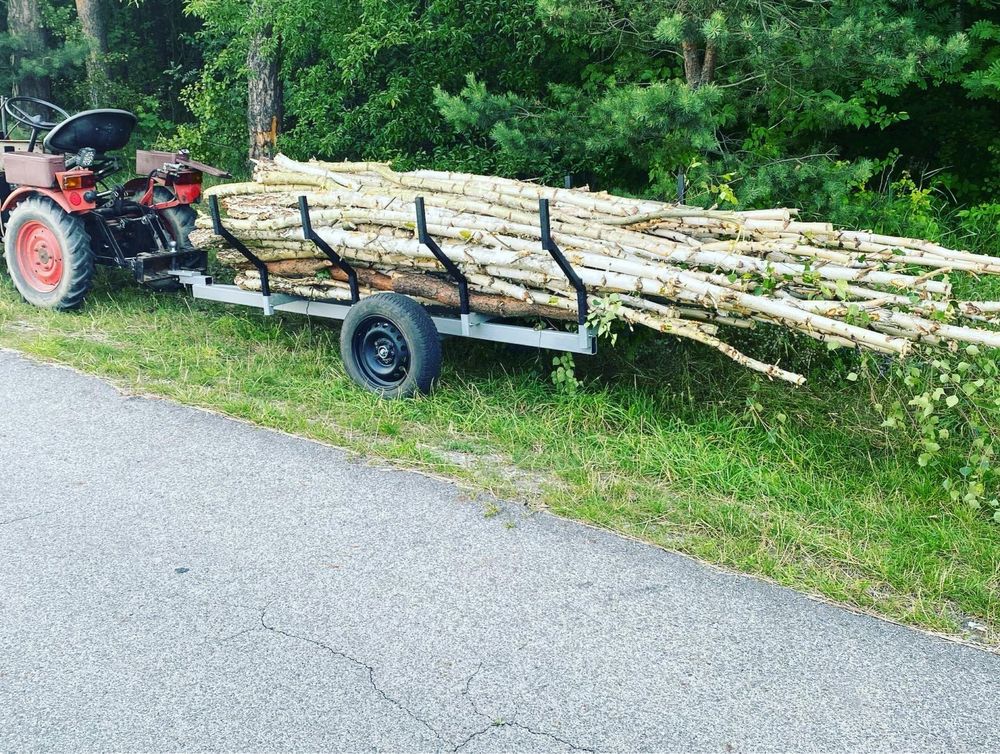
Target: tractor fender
(62, 199)
(18, 195)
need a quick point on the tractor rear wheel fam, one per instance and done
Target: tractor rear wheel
(48, 254)
(179, 223)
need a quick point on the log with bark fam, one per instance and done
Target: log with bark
(680, 270)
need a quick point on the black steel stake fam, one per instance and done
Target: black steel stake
(213, 208)
(424, 238)
(338, 261)
(550, 246)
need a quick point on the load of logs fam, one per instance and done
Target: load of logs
(680, 270)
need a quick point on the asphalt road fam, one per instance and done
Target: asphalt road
(173, 580)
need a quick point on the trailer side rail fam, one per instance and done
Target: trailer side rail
(467, 324)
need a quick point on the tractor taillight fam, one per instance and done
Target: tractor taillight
(187, 177)
(82, 179)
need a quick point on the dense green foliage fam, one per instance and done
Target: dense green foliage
(359, 77)
(812, 104)
(538, 88)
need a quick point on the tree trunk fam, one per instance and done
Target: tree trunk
(708, 65)
(699, 65)
(24, 25)
(263, 94)
(92, 21)
(692, 64)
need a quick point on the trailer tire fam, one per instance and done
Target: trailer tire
(390, 346)
(48, 254)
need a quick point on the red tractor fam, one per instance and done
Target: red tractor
(60, 216)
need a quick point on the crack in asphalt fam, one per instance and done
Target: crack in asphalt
(242, 632)
(362, 665)
(553, 736)
(467, 693)
(23, 518)
(520, 726)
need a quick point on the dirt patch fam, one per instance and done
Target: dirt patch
(19, 326)
(530, 486)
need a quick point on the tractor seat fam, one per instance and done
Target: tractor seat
(101, 130)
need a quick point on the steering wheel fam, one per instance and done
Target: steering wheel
(14, 107)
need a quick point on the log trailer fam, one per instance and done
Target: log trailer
(60, 215)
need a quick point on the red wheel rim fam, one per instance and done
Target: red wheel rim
(39, 257)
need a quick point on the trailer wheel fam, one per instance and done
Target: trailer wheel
(390, 346)
(48, 254)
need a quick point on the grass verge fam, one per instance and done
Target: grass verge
(678, 447)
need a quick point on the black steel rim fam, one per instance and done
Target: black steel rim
(381, 352)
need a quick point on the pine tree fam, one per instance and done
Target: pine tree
(675, 82)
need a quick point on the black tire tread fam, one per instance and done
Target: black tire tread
(180, 223)
(78, 249)
(418, 329)
(180, 219)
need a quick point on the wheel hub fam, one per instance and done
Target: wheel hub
(39, 257)
(383, 354)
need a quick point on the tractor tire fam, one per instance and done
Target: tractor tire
(390, 346)
(49, 254)
(179, 223)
